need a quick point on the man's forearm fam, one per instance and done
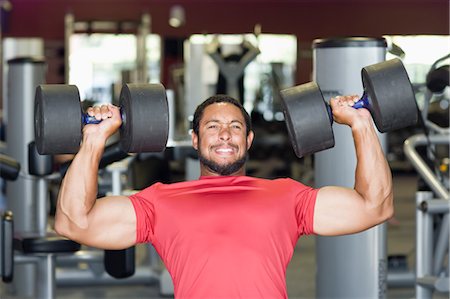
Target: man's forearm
(373, 178)
(78, 190)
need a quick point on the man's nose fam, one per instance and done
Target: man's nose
(224, 133)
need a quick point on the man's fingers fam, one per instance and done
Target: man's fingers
(100, 112)
(90, 111)
(345, 100)
(105, 112)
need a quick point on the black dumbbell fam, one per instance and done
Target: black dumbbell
(388, 95)
(59, 120)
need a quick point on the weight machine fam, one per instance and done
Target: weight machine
(431, 271)
(432, 207)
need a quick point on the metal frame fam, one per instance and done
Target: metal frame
(432, 244)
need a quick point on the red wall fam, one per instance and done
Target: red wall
(307, 19)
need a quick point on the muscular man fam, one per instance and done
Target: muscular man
(225, 235)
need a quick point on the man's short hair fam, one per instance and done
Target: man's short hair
(220, 98)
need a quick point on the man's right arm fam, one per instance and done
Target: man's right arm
(109, 222)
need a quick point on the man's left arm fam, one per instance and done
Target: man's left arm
(341, 210)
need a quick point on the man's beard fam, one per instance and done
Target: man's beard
(222, 169)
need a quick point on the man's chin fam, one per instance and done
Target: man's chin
(223, 167)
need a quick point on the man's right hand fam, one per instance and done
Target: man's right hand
(111, 121)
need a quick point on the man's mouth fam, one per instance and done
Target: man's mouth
(225, 149)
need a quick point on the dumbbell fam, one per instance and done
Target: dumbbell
(59, 120)
(388, 95)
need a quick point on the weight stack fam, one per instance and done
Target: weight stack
(351, 266)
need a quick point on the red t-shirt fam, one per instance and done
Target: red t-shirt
(226, 236)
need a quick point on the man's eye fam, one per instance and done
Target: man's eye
(212, 127)
(236, 127)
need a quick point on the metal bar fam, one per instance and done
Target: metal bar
(401, 279)
(438, 129)
(424, 243)
(25, 259)
(46, 277)
(435, 206)
(441, 247)
(41, 206)
(440, 284)
(81, 256)
(420, 165)
(427, 282)
(69, 27)
(141, 48)
(117, 169)
(79, 277)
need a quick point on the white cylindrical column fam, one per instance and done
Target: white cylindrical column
(352, 266)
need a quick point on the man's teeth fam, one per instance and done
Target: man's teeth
(224, 150)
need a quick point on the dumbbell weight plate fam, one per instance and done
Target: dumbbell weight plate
(391, 96)
(307, 119)
(57, 120)
(145, 117)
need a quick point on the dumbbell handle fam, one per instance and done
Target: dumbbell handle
(88, 120)
(363, 102)
(91, 120)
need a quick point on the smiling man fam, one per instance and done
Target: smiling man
(222, 149)
(225, 235)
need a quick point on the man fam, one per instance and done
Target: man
(225, 235)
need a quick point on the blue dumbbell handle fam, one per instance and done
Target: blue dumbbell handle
(363, 102)
(86, 119)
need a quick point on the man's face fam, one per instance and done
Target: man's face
(222, 142)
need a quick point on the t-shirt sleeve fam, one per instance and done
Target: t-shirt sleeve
(143, 203)
(305, 202)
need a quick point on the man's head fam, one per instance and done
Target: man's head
(222, 135)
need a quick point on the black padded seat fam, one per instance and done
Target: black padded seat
(48, 244)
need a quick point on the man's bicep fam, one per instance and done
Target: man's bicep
(340, 211)
(112, 224)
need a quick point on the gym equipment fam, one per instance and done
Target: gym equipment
(438, 78)
(41, 251)
(37, 248)
(432, 218)
(59, 119)
(24, 74)
(431, 273)
(388, 95)
(6, 246)
(231, 69)
(9, 168)
(120, 263)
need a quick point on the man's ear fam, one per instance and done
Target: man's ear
(250, 137)
(194, 138)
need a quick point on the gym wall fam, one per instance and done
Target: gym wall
(306, 19)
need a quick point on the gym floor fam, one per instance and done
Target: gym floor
(301, 271)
